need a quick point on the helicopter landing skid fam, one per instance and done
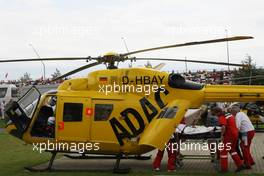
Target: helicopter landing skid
(84, 156)
(117, 169)
(47, 169)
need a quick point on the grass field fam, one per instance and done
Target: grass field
(14, 156)
(2, 123)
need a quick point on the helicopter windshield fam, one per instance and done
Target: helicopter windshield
(29, 101)
(20, 112)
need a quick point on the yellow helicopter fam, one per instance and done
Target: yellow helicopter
(117, 111)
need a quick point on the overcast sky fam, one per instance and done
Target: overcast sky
(69, 28)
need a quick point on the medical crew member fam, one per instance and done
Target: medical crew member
(171, 157)
(247, 132)
(229, 136)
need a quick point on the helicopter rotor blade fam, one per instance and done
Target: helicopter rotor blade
(75, 71)
(194, 61)
(190, 44)
(46, 59)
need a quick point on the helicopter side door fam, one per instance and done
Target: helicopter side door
(72, 119)
(103, 109)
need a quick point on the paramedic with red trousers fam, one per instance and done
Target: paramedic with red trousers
(229, 137)
(247, 132)
(172, 155)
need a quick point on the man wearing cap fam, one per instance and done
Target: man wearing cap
(247, 132)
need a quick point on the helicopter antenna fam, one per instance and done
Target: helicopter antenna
(44, 67)
(227, 49)
(124, 41)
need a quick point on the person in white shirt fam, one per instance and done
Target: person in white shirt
(247, 132)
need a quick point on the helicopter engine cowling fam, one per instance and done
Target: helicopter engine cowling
(179, 82)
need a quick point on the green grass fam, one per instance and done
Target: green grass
(2, 123)
(14, 156)
(261, 126)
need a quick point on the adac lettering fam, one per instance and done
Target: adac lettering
(149, 113)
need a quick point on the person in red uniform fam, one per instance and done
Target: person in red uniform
(171, 158)
(172, 155)
(229, 137)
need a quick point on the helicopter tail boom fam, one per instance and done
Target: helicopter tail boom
(233, 93)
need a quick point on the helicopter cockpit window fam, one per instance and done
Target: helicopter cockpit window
(103, 111)
(72, 112)
(29, 101)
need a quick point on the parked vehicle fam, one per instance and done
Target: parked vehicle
(8, 92)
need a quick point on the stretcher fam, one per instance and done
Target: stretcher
(198, 132)
(202, 135)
